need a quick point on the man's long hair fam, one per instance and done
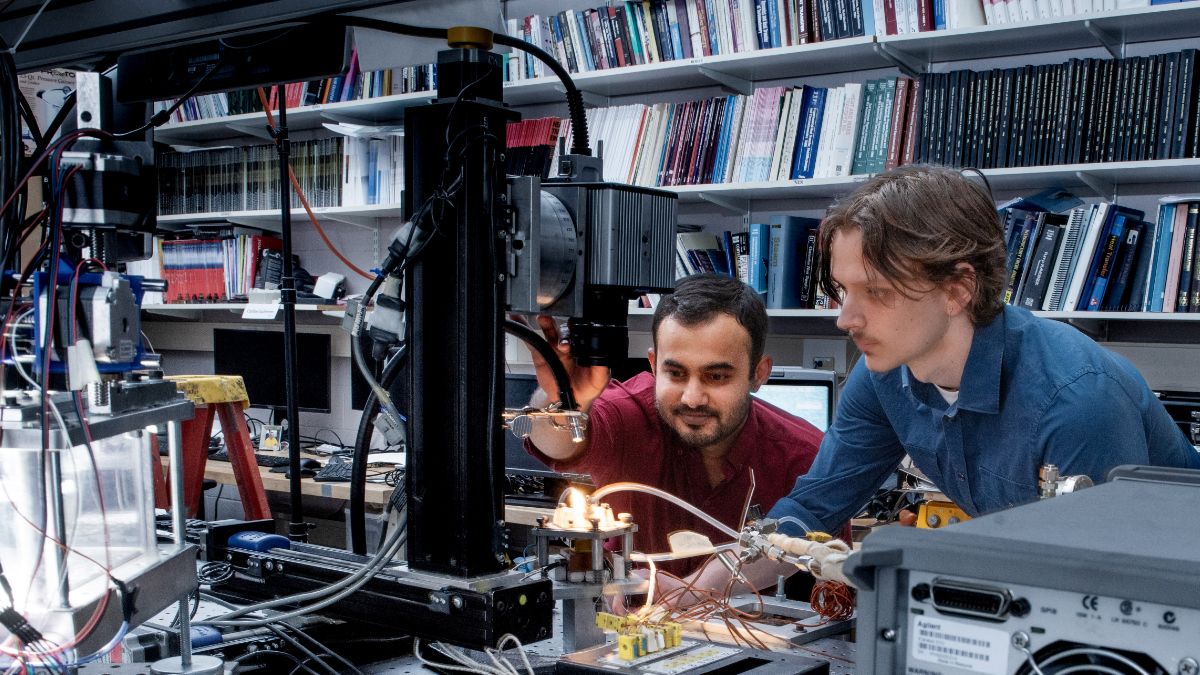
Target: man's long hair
(918, 223)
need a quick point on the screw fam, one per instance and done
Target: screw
(1020, 640)
(500, 277)
(933, 520)
(457, 602)
(1188, 666)
(888, 634)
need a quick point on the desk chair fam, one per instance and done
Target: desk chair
(223, 397)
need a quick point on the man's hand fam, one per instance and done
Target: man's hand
(586, 381)
(586, 384)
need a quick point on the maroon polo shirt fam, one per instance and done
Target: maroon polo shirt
(629, 442)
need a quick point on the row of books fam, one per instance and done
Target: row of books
(1063, 255)
(207, 270)
(1085, 110)
(777, 258)
(620, 35)
(373, 170)
(247, 178)
(1103, 257)
(361, 166)
(355, 85)
(778, 133)
(652, 31)
(531, 146)
(1024, 11)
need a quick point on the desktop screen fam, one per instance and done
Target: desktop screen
(258, 357)
(808, 394)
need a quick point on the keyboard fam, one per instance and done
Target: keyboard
(269, 461)
(336, 470)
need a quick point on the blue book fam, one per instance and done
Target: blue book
(730, 256)
(1124, 278)
(811, 114)
(773, 23)
(789, 243)
(1102, 248)
(1106, 260)
(718, 171)
(1054, 200)
(1162, 257)
(868, 13)
(760, 253)
(939, 14)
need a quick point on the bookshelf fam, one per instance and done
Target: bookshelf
(371, 217)
(1112, 30)
(833, 62)
(1104, 326)
(741, 71)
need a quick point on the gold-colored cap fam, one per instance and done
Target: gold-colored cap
(467, 37)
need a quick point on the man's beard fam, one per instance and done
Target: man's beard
(703, 438)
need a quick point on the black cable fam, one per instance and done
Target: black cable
(307, 652)
(30, 119)
(579, 129)
(10, 146)
(362, 446)
(565, 394)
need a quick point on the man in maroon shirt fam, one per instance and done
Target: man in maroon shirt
(690, 428)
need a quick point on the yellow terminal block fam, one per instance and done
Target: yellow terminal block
(672, 634)
(610, 621)
(819, 537)
(630, 647)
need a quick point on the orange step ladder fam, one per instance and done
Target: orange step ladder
(222, 397)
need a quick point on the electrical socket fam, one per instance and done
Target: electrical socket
(823, 363)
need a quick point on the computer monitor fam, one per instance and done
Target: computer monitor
(258, 357)
(803, 392)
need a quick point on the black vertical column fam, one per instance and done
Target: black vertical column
(455, 453)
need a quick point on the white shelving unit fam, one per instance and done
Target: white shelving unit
(370, 217)
(740, 72)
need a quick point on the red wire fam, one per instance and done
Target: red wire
(832, 600)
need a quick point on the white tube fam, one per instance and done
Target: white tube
(793, 519)
(662, 494)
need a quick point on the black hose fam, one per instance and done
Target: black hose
(566, 395)
(362, 446)
(579, 130)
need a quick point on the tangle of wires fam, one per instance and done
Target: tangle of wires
(213, 573)
(833, 600)
(461, 662)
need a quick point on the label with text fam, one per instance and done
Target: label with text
(959, 644)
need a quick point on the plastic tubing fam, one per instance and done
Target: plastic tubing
(627, 486)
(663, 557)
(783, 520)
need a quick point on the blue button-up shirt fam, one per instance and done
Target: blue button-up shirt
(1033, 392)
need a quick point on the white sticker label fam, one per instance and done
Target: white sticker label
(959, 644)
(261, 310)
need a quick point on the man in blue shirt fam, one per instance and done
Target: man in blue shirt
(979, 394)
